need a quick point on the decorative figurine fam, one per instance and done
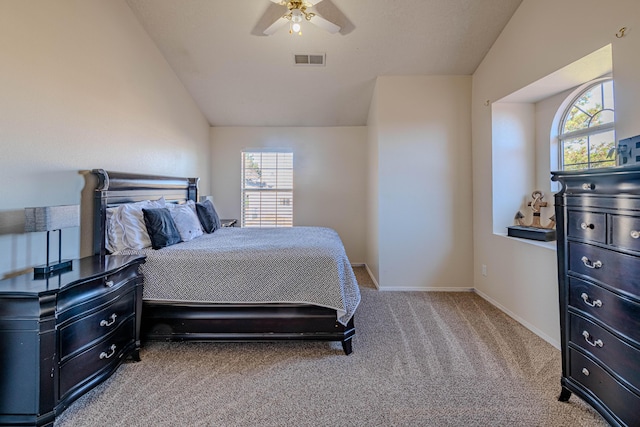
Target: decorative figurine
(535, 230)
(536, 204)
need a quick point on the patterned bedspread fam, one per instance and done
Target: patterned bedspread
(255, 265)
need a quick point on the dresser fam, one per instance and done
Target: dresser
(598, 229)
(60, 336)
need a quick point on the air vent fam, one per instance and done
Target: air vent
(312, 60)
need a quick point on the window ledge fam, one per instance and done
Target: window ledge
(549, 245)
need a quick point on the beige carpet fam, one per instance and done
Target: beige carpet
(420, 359)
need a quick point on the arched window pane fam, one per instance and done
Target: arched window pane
(602, 117)
(587, 137)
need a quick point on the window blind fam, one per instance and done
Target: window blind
(267, 188)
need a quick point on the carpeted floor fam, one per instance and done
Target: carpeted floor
(420, 359)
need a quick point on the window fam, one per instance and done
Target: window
(267, 189)
(587, 134)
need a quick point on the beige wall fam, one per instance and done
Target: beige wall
(539, 40)
(420, 131)
(82, 86)
(330, 167)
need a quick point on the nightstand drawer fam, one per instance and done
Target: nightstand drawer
(619, 313)
(76, 295)
(100, 299)
(619, 356)
(625, 232)
(608, 267)
(587, 226)
(618, 398)
(102, 357)
(76, 335)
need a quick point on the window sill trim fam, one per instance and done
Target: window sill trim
(552, 245)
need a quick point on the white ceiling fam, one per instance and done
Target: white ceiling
(239, 77)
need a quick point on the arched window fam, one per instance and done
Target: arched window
(587, 131)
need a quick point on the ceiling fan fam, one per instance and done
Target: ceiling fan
(297, 13)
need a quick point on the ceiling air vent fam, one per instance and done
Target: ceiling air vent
(313, 60)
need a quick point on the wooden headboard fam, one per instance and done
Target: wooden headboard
(116, 188)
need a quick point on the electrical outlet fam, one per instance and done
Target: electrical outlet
(484, 270)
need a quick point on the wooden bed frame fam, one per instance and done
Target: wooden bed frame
(209, 321)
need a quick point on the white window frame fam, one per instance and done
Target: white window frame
(267, 201)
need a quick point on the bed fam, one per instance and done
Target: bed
(283, 289)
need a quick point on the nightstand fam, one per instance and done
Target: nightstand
(229, 222)
(65, 334)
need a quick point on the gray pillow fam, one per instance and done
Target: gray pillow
(208, 216)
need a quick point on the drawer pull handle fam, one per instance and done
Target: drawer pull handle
(635, 234)
(587, 338)
(596, 303)
(109, 283)
(105, 322)
(588, 186)
(585, 371)
(584, 226)
(587, 263)
(105, 355)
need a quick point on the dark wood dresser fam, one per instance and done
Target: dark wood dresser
(61, 336)
(598, 228)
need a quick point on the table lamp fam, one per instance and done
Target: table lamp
(51, 218)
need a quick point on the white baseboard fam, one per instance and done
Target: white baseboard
(424, 289)
(362, 264)
(375, 282)
(518, 319)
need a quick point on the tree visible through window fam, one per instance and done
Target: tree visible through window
(587, 134)
(267, 189)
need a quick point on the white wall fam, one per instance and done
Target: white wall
(547, 154)
(330, 176)
(373, 179)
(513, 149)
(82, 86)
(421, 127)
(538, 40)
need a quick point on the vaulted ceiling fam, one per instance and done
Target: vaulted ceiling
(240, 77)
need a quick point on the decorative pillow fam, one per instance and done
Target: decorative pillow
(162, 230)
(186, 220)
(208, 216)
(114, 232)
(132, 221)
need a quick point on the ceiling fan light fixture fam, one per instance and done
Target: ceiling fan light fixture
(296, 15)
(297, 12)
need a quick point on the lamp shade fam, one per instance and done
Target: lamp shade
(51, 218)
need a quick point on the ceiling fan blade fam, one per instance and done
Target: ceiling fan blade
(280, 2)
(311, 2)
(324, 24)
(271, 29)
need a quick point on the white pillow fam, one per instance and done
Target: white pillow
(132, 221)
(114, 231)
(186, 220)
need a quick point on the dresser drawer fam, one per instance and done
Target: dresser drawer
(99, 299)
(608, 267)
(79, 293)
(619, 356)
(625, 232)
(82, 332)
(618, 398)
(103, 356)
(619, 313)
(587, 226)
